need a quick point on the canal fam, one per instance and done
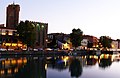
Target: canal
(92, 66)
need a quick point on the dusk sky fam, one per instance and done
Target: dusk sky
(93, 17)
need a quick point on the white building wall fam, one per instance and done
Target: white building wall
(114, 44)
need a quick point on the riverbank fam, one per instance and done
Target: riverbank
(54, 53)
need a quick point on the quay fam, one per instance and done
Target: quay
(55, 53)
(33, 53)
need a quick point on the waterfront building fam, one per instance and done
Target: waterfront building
(114, 44)
(84, 44)
(12, 15)
(41, 30)
(9, 39)
(92, 41)
(59, 40)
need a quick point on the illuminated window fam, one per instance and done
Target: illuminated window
(38, 26)
(42, 26)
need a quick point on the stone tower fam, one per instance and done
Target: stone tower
(12, 15)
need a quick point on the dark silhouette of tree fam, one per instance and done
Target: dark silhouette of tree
(105, 41)
(75, 68)
(89, 45)
(26, 33)
(53, 43)
(76, 37)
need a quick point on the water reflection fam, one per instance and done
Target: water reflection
(52, 67)
(75, 68)
(105, 62)
(10, 66)
(58, 63)
(35, 68)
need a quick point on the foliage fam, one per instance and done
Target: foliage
(53, 43)
(76, 37)
(105, 41)
(26, 33)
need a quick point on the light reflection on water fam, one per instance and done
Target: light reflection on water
(92, 66)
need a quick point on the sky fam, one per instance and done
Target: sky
(93, 17)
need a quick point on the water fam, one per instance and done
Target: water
(92, 66)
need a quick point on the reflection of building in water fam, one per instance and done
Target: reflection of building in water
(88, 60)
(9, 67)
(83, 60)
(91, 60)
(105, 60)
(115, 57)
(59, 63)
(75, 68)
(35, 68)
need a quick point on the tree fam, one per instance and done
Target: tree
(105, 41)
(26, 33)
(53, 43)
(76, 37)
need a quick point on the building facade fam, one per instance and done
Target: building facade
(41, 30)
(114, 44)
(59, 40)
(12, 15)
(92, 41)
(9, 39)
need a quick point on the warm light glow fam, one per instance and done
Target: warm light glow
(90, 56)
(105, 56)
(14, 44)
(19, 61)
(13, 61)
(66, 46)
(96, 45)
(45, 66)
(7, 62)
(9, 71)
(3, 33)
(10, 33)
(2, 72)
(42, 26)
(113, 46)
(19, 44)
(86, 62)
(8, 44)
(96, 57)
(16, 70)
(65, 60)
(99, 61)
(25, 60)
(3, 62)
